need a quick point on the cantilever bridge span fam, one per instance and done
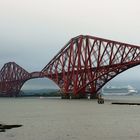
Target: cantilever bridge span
(83, 66)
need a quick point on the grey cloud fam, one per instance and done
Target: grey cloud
(33, 31)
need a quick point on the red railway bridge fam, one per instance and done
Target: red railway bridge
(82, 67)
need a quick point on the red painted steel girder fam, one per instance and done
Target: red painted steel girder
(86, 64)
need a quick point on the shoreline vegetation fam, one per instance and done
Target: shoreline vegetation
(37, 93)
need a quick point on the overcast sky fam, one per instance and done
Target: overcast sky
(33, 31)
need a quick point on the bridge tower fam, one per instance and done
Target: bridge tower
(86, 63)
(12, 78)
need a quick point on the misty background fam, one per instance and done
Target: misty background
(33, 31)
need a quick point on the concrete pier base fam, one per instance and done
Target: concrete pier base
(64, 96)
(78, 96)
(93, 96)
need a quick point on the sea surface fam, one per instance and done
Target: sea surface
(61, 119)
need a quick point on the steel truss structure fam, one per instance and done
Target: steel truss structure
(82, 67)
(12, 78)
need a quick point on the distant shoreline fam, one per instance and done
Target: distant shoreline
(36, 95)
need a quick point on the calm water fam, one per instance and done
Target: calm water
(56, 119)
